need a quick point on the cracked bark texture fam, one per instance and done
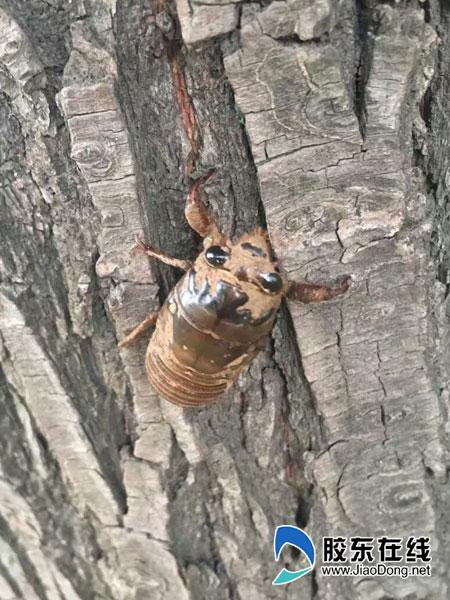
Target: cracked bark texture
(326, 121)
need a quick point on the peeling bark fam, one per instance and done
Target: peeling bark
(327, 123)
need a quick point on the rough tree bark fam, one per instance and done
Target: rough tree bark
(328, 122)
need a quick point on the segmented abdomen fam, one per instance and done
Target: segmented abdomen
(195, 354)
(180, 384)
(176, 364)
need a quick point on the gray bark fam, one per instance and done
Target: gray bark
(326, 122)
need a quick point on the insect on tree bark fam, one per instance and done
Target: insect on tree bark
(216, 319)
(326, 124)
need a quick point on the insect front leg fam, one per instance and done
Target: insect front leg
(311, 292)
(197, 215)
(140, 246)
(139, 330)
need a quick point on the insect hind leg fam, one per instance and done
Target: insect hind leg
(139, 330)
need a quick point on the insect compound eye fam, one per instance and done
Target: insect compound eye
(271, 282)
(217, 256)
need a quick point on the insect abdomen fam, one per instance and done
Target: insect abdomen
(174, 382)
(171, 368)
(189, 362)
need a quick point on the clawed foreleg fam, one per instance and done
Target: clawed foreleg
(197, 215)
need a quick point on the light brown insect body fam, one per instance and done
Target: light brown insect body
(216, 318)
(213, 324)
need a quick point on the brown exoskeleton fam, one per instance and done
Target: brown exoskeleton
(214, 321)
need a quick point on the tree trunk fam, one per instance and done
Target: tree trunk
(326, 122)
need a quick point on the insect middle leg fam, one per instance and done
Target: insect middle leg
(185, 265)
(311, 292)
(139, 330)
